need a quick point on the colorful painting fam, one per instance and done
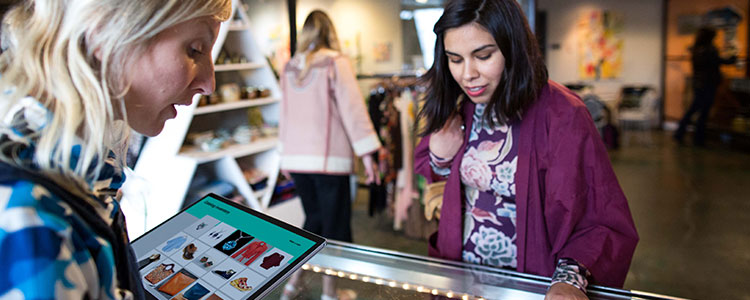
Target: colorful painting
(600, 45)
(382, 52)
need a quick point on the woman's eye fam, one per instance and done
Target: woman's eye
(485, 57)
(454, 60)
(193, 51)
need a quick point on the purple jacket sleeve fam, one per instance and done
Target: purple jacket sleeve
(587, 215)
(422, 161)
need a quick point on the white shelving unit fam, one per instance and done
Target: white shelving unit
(168, 164)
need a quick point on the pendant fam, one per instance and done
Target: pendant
(229, 245)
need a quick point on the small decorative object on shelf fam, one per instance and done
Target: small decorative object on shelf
(242, 135)
(263, 92)
(249, 92)
(268, 130)
(222, 59)
(226, 58)
(255, 117)
(254, 176)
(230, 92)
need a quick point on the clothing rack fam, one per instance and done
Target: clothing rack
(393, 106)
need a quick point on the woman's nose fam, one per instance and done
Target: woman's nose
(470, 71)
(205, 81)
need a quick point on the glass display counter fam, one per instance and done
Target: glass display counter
(373, 273)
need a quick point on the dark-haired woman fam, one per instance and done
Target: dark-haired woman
(706, 79)
(529, 183)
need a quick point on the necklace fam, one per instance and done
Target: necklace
(229, 245)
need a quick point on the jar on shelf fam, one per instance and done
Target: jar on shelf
(263, 92)
(230, 92)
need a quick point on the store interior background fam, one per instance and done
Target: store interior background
(689, 204)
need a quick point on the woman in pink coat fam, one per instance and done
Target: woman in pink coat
(324, 125)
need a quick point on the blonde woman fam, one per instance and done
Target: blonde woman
(75, 78)
(324, 124)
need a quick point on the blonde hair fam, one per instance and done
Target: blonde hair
(72, 57)
(318, 33)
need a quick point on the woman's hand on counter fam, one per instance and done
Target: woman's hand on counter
(564, 291)
(447, 141)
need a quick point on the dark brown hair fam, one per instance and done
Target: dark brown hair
(523, 77)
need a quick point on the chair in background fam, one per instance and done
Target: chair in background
(638, 110)
(594, 104)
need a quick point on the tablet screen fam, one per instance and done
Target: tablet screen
(216, 249)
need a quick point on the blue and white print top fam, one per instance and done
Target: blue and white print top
(46, 250)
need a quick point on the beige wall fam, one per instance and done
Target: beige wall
(361, 25)
(641, 34)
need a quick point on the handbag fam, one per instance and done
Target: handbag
(175, 284)
(159, 273)
(195, 292)
(433, 199)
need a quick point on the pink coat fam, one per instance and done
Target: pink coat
(569, 203)
(324, 122)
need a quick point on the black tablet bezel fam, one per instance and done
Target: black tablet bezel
(319, 241)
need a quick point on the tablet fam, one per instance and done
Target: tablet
(217, 249)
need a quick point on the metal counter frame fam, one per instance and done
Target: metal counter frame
(442, 277)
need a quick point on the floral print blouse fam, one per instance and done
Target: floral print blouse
(488, 170)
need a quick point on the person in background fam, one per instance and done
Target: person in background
(76, 76)
(529, 185)
(706, 79)
(324, 123)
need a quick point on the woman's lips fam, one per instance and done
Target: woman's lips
(476, 91)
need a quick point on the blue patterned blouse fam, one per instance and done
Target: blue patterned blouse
(46, 250)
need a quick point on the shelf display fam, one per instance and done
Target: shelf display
(203, 146)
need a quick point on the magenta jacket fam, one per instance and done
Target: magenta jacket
(568, 200)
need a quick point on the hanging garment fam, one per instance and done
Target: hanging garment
(385, 119)
(405, 191)
(251, 252)
(271, 261)
(174, 243)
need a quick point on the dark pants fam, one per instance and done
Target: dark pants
(326, 200)
(702, 101)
